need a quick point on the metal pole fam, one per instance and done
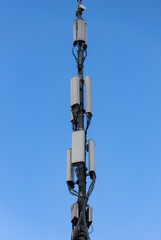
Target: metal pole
(81, 170)
(81, 83)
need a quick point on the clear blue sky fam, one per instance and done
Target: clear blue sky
(36, 64)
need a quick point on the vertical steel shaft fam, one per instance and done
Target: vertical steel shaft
(81, 83)
(81, 170)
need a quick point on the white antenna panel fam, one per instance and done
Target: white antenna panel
(70, 172)
(89, 216)
(91, 147)
(78, 147)
(79, 31)
(85, 33)
(88, 95)
(74, 213)
(74, 91)
(75, 30)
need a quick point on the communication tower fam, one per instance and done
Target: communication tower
(77, 171)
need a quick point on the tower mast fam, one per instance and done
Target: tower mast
(81, 212)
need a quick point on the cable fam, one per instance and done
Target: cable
(91, 229)
(88, 123)
(74, 55)
(85, 56)
(91, 187)
(73, 192)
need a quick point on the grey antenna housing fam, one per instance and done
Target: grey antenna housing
(91, 155)
(70, 172)
(74, 213)
(78, 147)
(75, 100)
(79, 31)
(88, 95)
(89, 216)
(74, 91)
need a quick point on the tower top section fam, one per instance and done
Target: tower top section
(80, 9)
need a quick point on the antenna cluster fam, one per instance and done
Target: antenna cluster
(77, 171)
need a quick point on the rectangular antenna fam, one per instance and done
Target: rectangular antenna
(78, 147)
